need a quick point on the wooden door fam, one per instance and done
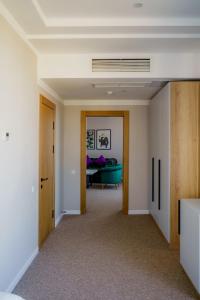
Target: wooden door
(185, 122)
(46, 185)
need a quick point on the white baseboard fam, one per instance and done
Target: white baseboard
(22, 271)
(71, 212)
(138, 212)
(58, 219)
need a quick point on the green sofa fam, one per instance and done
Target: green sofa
(108, 175)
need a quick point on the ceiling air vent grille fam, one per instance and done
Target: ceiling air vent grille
(121, 65)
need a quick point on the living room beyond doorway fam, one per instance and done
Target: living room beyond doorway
(104, 154)
(104, 161)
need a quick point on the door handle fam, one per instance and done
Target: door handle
(44, 179)
(159, 184)
(179, 217)
(152, 180)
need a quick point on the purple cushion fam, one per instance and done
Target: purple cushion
(100, 161)
(88, 161)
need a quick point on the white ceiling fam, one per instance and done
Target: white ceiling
(70, 89)
(90, 26)
(120, 8)
(106, 27)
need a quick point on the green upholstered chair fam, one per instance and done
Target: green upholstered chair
(108, 175)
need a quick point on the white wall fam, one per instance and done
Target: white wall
(116, 126)
(19, 115)
(19, 155)
(138, 162)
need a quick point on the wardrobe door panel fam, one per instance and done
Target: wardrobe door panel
(152, 157)
(160, 106)
(164, 157)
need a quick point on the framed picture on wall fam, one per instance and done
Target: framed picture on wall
(103, 139)
(90, 140)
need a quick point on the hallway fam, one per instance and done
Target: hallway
(105, 255)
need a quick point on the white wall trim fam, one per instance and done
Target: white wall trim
(120, 22)
(71, 212)
(17, 28)
(40, 12)
(109, 36)
(138, 212)
(58, 220)
(22, 271)
(79, 102)
(49, 90)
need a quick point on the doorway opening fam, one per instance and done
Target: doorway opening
(102, 139)
(46, 169)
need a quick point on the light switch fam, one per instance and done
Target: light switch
(5, 136)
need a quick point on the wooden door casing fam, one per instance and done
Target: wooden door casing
(125, 116)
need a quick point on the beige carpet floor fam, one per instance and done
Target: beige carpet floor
(106, 255)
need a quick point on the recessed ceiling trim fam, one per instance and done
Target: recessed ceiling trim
(49, 90)
(17, 28)
(103, 102)
(40, 12)
(120, 22)
(47, 43)
(112, 36)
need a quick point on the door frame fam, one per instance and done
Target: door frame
(50, 104)
(119, 113)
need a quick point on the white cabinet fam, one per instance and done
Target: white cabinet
(190, 239)
(160, 156)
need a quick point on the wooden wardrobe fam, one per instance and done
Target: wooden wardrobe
(174, 153)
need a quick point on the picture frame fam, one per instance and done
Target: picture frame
(90, 139)
(103, 139)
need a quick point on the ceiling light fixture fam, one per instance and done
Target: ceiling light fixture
(109, 92)
(122, 84)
